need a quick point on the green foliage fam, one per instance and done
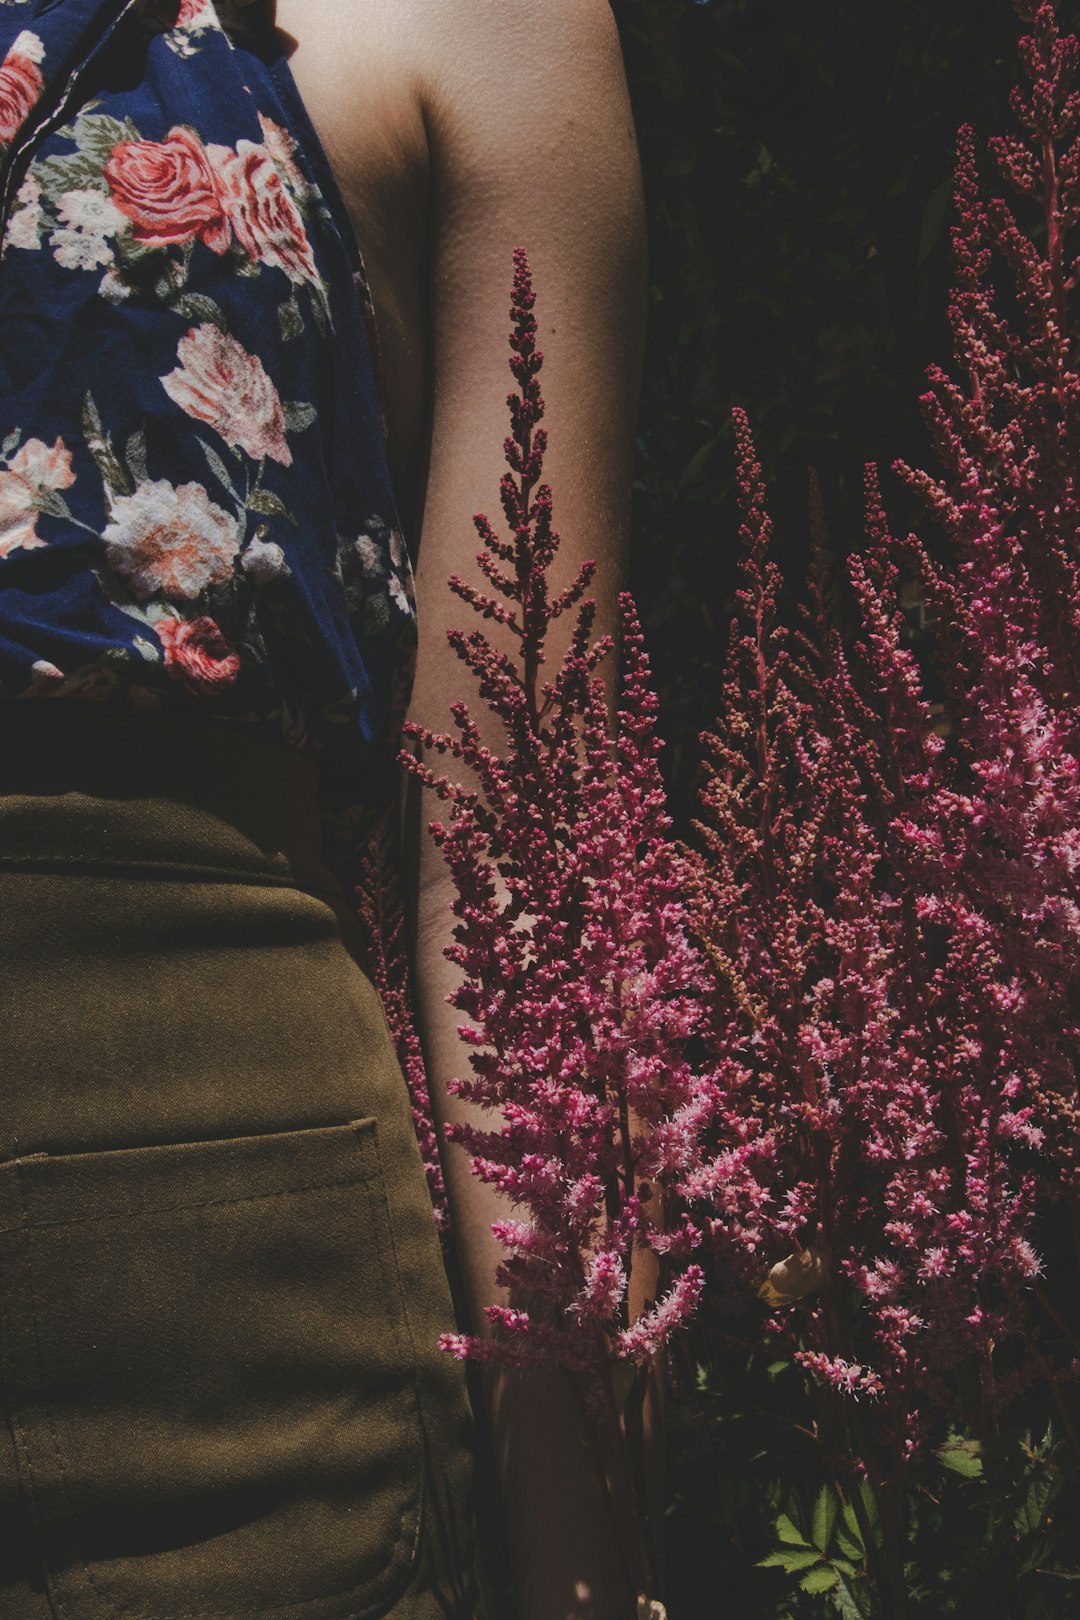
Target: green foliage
(766, 1524)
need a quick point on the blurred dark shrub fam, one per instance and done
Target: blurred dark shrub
(797, 158)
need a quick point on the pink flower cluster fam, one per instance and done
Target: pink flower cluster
(579, 983)
(869, 1113)
(888, 891)
(1003, 823)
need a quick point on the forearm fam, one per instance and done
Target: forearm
(531, 144)
(564, 1550)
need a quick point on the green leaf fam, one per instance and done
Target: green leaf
(792, 1559)
(290, 319)
(96, 134)
(74, 171)
(961, 1456)
(852, 1600)
(1042, 1493)
(52, 502)
(819, 1580)
(195, 306)
(320, 308)
(135, 456)
(298, 415)
(692, 470)
(848, 1545)
(824, 1518)
(11, 443)
(218, 467)
(100, 447)
(851, 1521)
(789, 1533)
(269, 504)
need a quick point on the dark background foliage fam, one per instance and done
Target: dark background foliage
(797, 158)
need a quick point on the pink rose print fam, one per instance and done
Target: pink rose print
(168, 190)
(171, 539)
(197, 653)
(219, 382)
(34, 468)
(195, 14)
(21, 83)
(282, 148)
(262, 214)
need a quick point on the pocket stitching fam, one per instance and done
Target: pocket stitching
(366, 1143)
(202, 1203)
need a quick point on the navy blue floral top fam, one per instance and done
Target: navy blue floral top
(195, 509)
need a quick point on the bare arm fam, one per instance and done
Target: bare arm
(531, 144)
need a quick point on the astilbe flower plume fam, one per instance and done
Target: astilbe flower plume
(1001, 829)
(579, 982)
(856, 1184)
(887, 889)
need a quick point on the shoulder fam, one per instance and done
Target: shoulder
(501, 59)
(520, 93)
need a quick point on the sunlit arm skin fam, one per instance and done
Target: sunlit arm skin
(460, 129)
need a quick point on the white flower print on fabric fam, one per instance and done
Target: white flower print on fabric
(377, 576)
(89, 219)
(114, 289)
(263, 561)
(26, 222)
(181, 28)
(196, 257)
(21, 83)
(219, 382)
(27, 481)
(170, 538)
(369, 552)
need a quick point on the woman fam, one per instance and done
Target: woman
(221, 1285)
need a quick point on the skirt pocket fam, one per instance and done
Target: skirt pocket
(210, 1378)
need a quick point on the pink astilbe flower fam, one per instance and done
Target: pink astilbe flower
(580, 985)
(888, 887)
(1004, 823)
(860, 1180)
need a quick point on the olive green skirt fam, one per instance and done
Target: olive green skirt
(221, 1288)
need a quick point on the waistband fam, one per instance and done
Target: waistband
(87, 787)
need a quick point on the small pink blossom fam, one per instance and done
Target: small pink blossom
(197, 654)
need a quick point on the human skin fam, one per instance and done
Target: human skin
(458, 130)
